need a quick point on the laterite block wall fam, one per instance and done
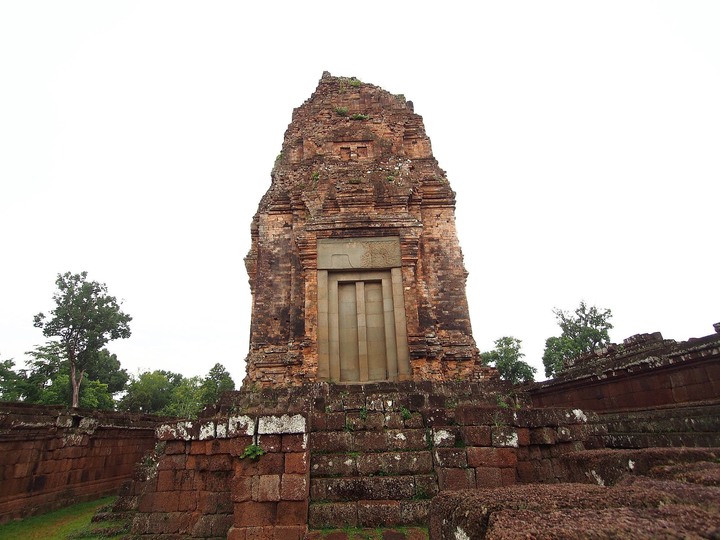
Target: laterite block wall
(53, 456)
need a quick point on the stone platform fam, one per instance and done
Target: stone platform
(345, 456)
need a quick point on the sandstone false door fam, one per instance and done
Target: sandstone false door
(362, 334)
(364, 352)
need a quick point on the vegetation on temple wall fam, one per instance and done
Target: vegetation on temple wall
(506, 358)
(583, 331)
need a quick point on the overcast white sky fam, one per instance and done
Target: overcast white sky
(582, 139)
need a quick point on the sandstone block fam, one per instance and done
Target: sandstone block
(489, 476)
(451, 457)
(294, 487)
(254, 514)
(294, 442)
(378, 513)
(492, 457)
(455, 479)
(296, 462)
(266, 488)
(292, 512)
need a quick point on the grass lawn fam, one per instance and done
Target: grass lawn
(70, 522)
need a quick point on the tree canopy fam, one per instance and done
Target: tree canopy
(582, 332)
(506, 358)
(46, 379)
(167, 393)
(84, 319)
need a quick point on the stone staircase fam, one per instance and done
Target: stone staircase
(373, 456)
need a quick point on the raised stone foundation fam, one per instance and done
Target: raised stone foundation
(339, 456)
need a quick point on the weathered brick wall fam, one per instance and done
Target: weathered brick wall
(694, 425)
(356, 163)
(645, 371)
(345, 456)
(201, 486)
(53, 456)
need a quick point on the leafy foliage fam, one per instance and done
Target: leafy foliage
(171, 394)
(150, 391)
(252, 451)
(84, 319)
(506, 358)
(46, 379)
(582, 332)
(10, 381)
(217, 381)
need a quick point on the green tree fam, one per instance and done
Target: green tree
(582, 332)
(105, 368)
(10, 381)
(93, 394)
(150, 391)
(46, 379)
(186, 399)
(84, 319)
(45, 364)
(217, 381)
(167, 393)
(506, 358)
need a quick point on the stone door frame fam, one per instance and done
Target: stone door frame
(360, 260)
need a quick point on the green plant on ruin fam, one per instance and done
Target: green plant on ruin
(354, 181)
(390, 178)
(363, 413)
(348, 426)
(355, 82)
(278, 157)
(252, 451)
(358, 116)
(405, 413)
(498, 420)
(341, 111)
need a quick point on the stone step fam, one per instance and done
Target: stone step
(402, 487)
(368, 513)
(371, 464)
(378, 533)
(662, 440)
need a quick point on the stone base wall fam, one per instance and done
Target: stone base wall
(345, 456)
(694, 380)
(645, 371)
(52, 456)
(692, 425)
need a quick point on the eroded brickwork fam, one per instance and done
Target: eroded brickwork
(51, 456)
(368, 456)
(356, 164)
(645, 371)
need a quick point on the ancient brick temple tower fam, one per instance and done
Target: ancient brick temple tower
(355, 267)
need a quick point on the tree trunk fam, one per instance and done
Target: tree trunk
(75, 385)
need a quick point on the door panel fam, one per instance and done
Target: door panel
(348, 333)
(375, 322)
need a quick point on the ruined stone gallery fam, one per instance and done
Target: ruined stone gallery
(355, 267)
